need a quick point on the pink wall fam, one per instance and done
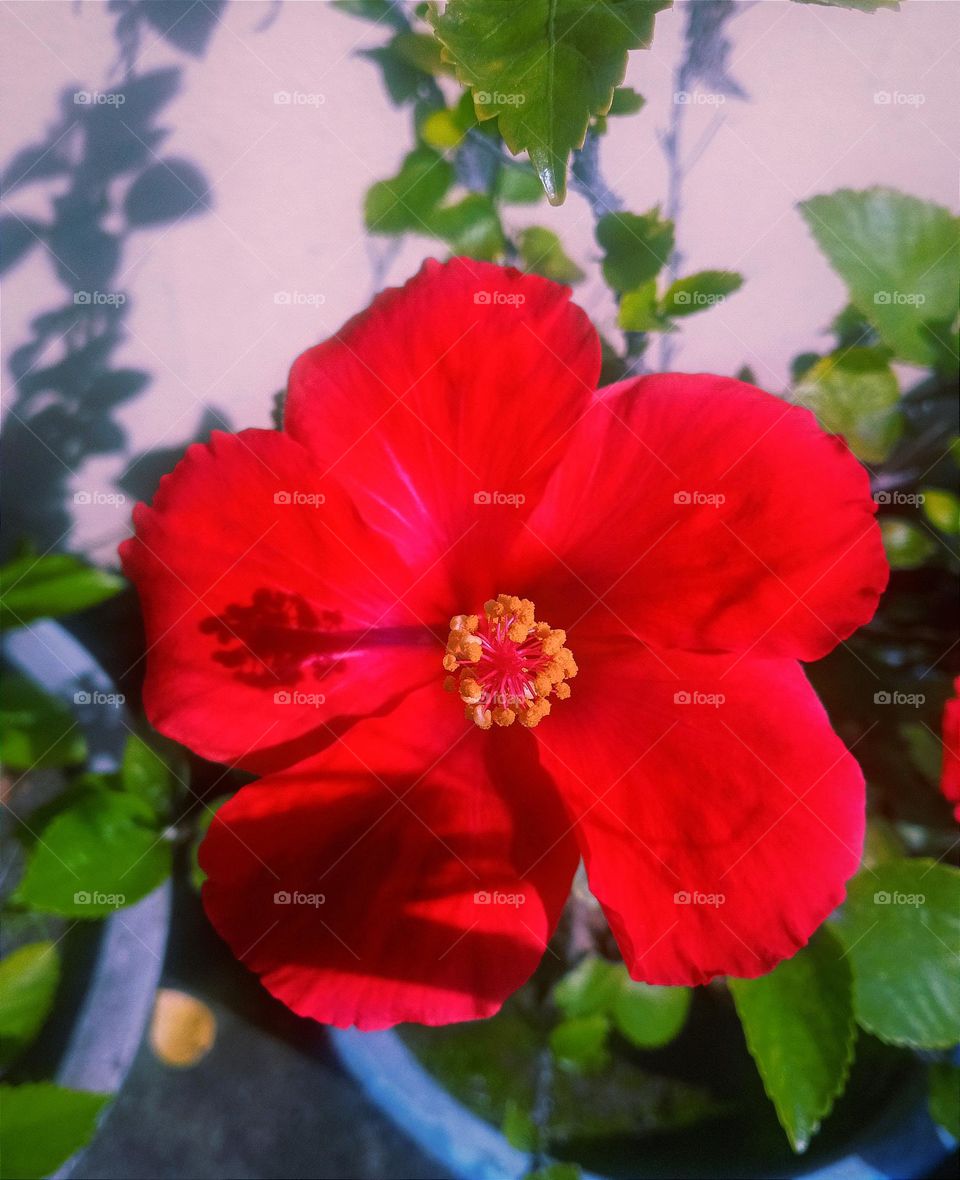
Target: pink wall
(288, 183)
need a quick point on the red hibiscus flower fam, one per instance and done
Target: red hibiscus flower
(474, 620)
(950, 773)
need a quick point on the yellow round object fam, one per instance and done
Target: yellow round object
(182, 1029)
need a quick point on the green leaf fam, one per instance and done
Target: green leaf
(907, 546)
(43, 1125)
(800, 1031)
(471, 227)
(802, 363)
(636, 247)
(145, 774)
(405, 201)
(855, 393)
(899, 257)
(901, 927)
(519, 1128)
(403, 81)
(613, 367)
(945, 1096)
(384, 12)
(28, 984)
(852, 330)
(36, 730)
(556, 1171)
(204, 819)
(544, 68)
(640, 310)
(421, 51)
(47, 587)
(700, 291)
(542, 253)
(626, 101)
(648, 1016)
(944, 342)
(590, 988)
(445, 128)
(942, 509)
(103, 852)
(580, 1044)
(882, 841)
(517, 184)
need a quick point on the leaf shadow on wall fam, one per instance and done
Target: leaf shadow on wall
(96, 179)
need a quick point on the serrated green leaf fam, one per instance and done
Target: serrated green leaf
(699, 292)
(50, 586)
(542, 253)
(103, 852)
(28, 984)
(945, 1096)
(648, 1016)
(36, 730)
(43, 1125)
(906, 545)
(636, 247)
(800, 1031)
(580, 1044)
(942, 509)
(404, 202)
(900, 259)
(145, 774)
(855, 393)
(901, 928)
(471, 227)
(544, 68)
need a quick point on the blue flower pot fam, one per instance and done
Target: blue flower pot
(901, 1143)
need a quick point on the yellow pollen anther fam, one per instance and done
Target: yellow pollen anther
(508, 663)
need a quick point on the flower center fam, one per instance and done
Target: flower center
(505, 665)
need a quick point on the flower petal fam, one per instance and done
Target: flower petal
(269, 608)
(719, 836)
(709, 515)
(463, 383)
(443, 859)
(950, 773)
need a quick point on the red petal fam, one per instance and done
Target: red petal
(709, 516)
(742, 793)
(255, 608)
(950, 778)
(399, 826)
(464, 382)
